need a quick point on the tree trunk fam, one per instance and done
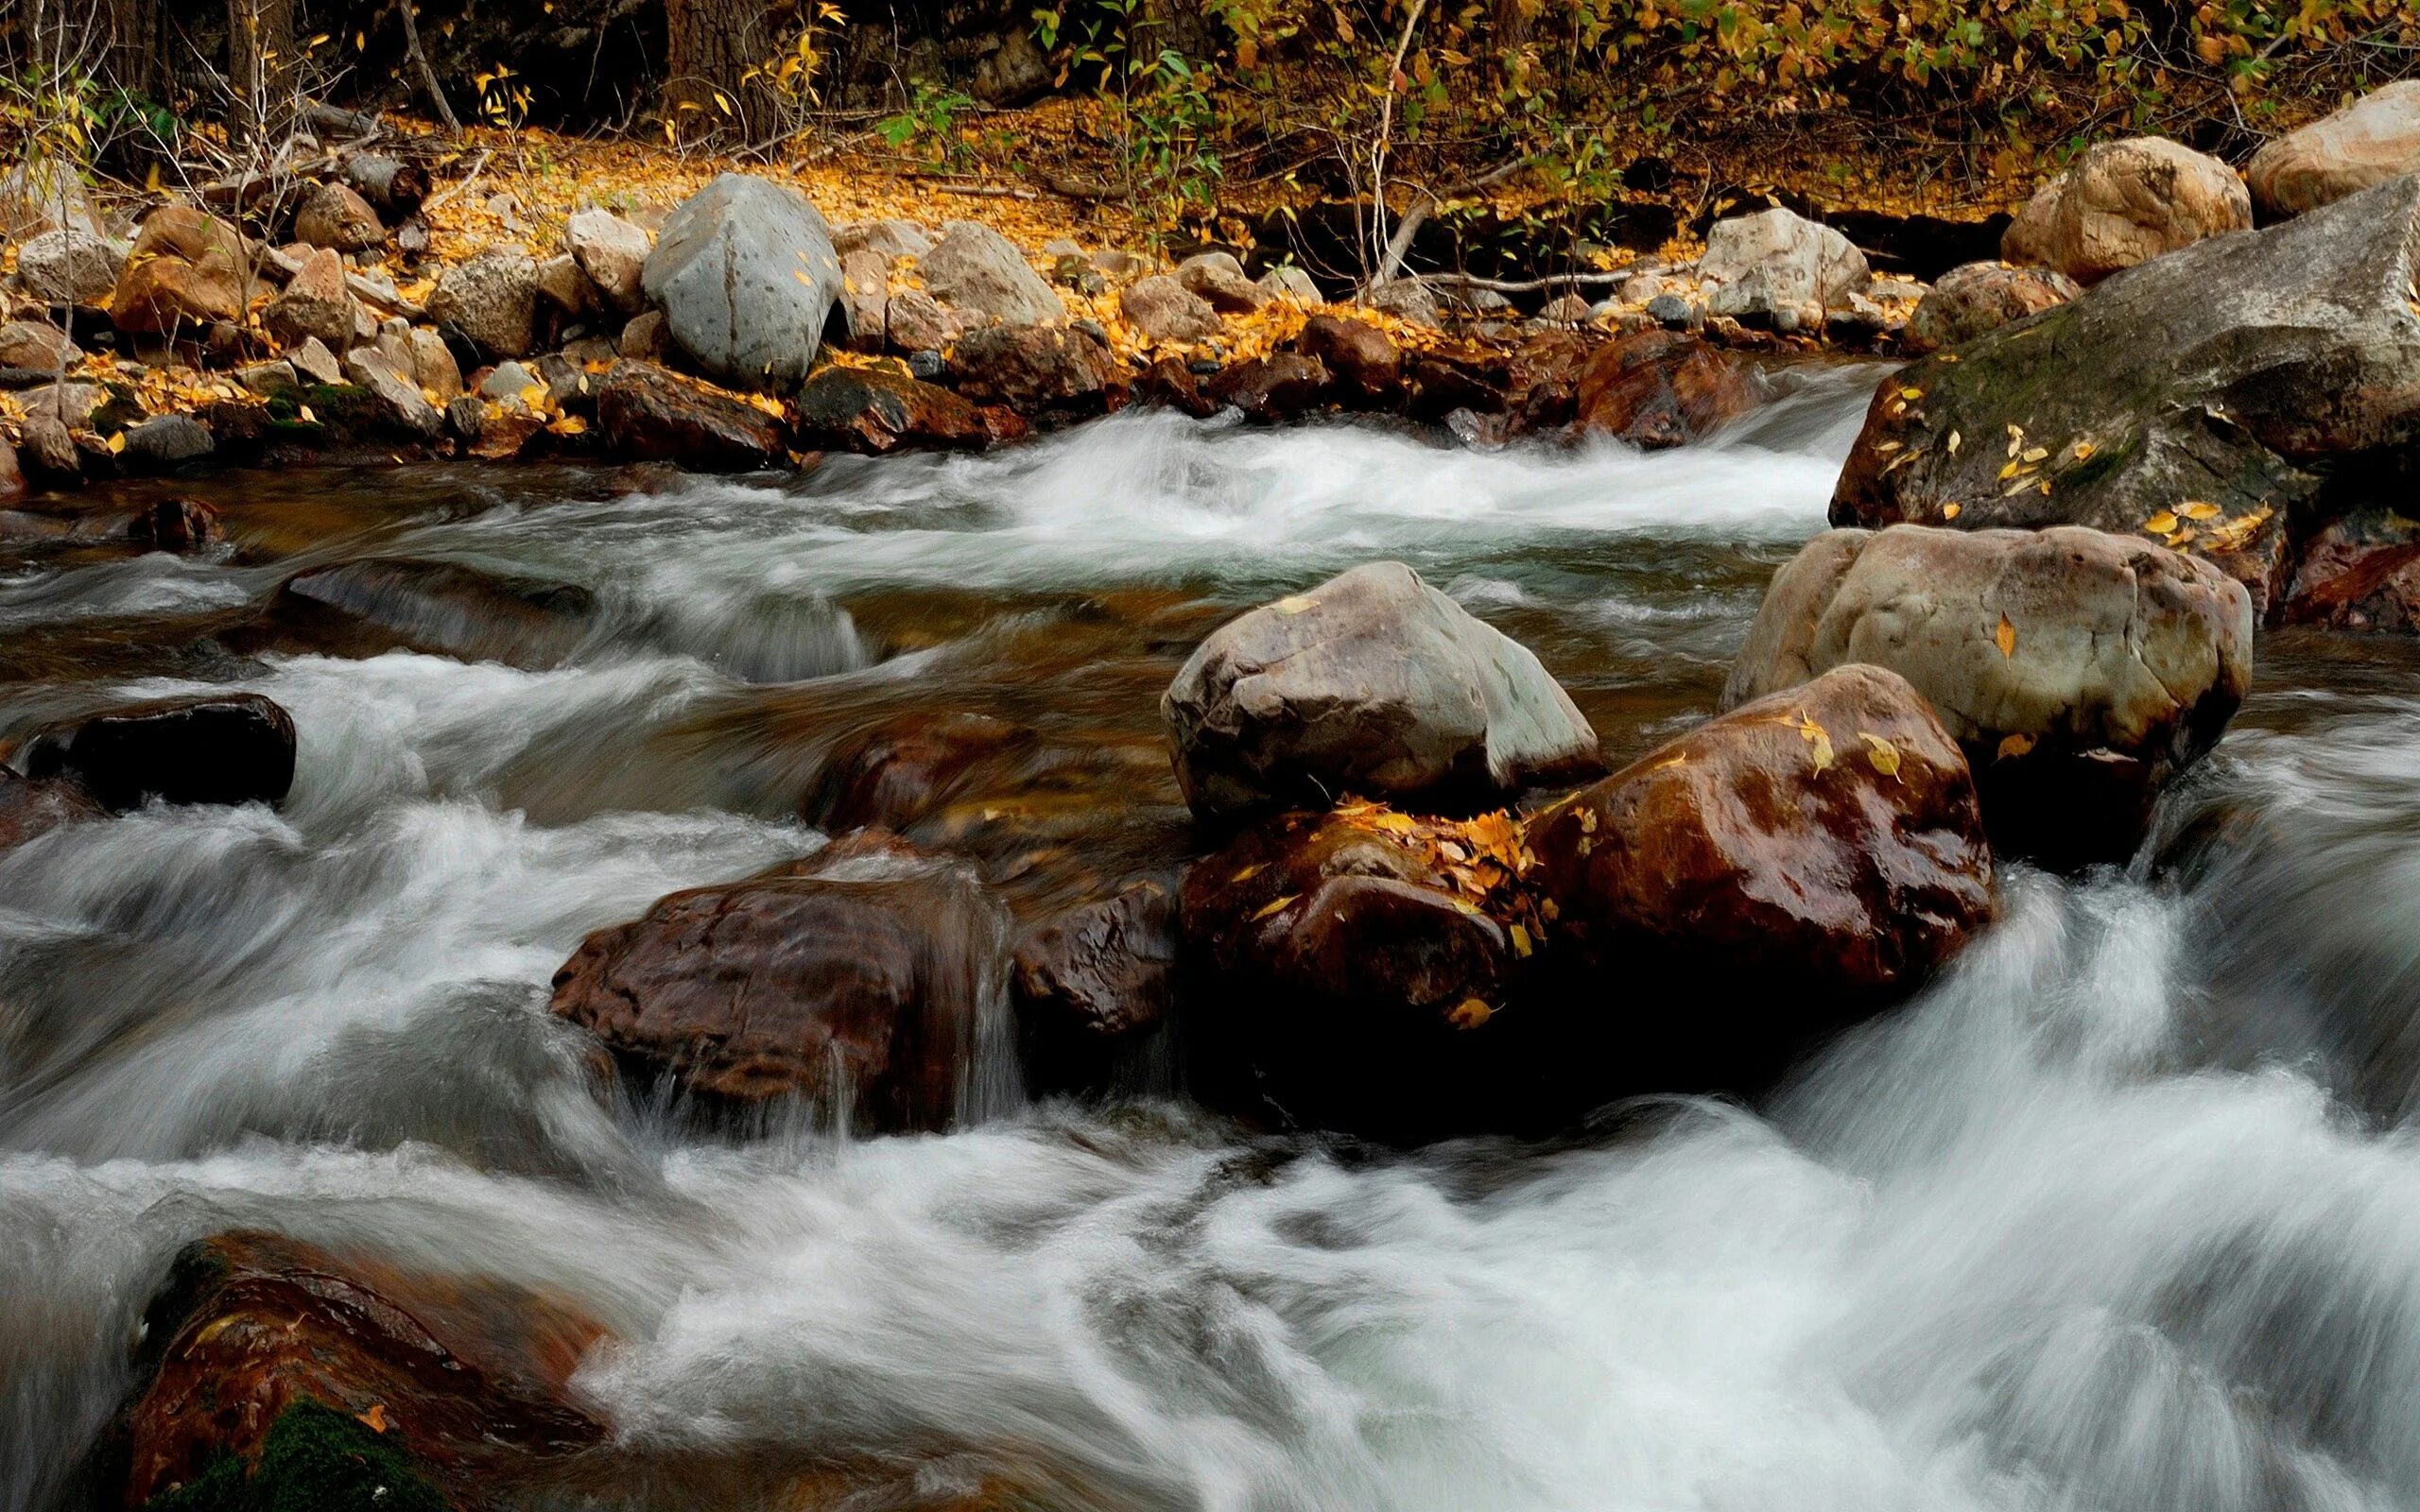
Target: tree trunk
(708, 45)
(137, 56)
(260, 65)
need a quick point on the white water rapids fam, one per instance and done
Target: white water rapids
(2120, 1215)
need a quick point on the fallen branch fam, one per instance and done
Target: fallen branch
(987, 191)
(427, 74)
(1534, 285)
(1399, 244)
(478, 167)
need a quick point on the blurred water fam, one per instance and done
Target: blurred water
(2122, 1214)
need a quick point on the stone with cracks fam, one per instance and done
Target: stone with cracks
(1775, 262)
(977, 271)
(2126, 202)
(490, 300)
(745, 275)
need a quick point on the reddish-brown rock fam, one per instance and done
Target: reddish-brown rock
(234, 748)
(895, 772)
(876, 410)
(333, 216)
(1100, 971)
(1660, 388)
(1366, 366)
(1272, 389)
(179, 525)
(649, 415)
(2360, 573)
(1809, 855)
(187, 269)
(1032, 367)
(315, 302)
(851, 980)
(29, 807)
(469, 1377)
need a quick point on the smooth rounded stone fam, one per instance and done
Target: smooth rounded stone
(166, 440)
(903, 768)
(865, 299)
(1032, 368)
(1789, 867)
(1978, 298)
(32, 807)
(1661, 388)
(978, 271)
(314, 304)
(70, 266)
(490, 300)
(333, 216)
(746, 275)
(650, 415)
(397, 395)
(874, 410)
(1775, 262)
(612, 253)
(2366, 143)
(187, 270)
(2122, 203)
(209, 748)
(1674, 313)
(274, 1358)
(2209, 398)
(1219, 279)
(507, 381)
(1372, 683)
(851, 981)
(2080, 671)
(1165, 310)
(37, 344)
(1406, 299)
(893, 239)
(1367, 367)
(642, 338)
(1289, 282)
(268, 379)
(1271, 389)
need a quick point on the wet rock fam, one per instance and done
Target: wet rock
(399, 399)
(1366, 366)
(490, 301)
(905, 768)
(1100, 972)
(1032, 368)
(1674, 313)
(1165, 310)
(1271, 389)
(71, 266)
(209, 748)
(12, 476)
(976, 270)
(1774, 263)
(1790, 865)
(892, 239)
(376, 604)
(315, 303)
(1171, 382)
(2359, 572)
(1661, 388)
(1219, 279)
(612, 253)
(1373, 683)
(37, 345)
(914, 321)
(2368, 141)
(650, 415)
(875, 410)
(339, 1381)
(333, 216)
(165, 441)
(29, 807)
(2126, 202)
(2080, 672)
(1440, 382)
(745, 275)
(851, 981)
(187, 270)
(46, 448)
(2209, 396)
(1980, 296)
(865, 299)
(179, 525)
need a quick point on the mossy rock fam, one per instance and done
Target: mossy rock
(314, 1459)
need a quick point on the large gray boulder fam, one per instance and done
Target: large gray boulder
(70, 266)
(1372, 683)
(977, 271)
(1777, 264)
(2202, 399)
(745, 275)
(2080, 671)
(2126, 202)
(2372, 139)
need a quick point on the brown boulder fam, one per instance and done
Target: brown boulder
(851, 980)
(1660, 388)
(1979, 298)
(187, 269)
(1165, 310)
(1100, 971)
(315, 303)
(333, 216)
(904, 768)
(463, 1379)
(1799, 860)
(212, 748)
(649, 415)
(2127, 202)
(1032, 367)
(1367, 367)
(1271, 389)
(2359, 572)
(2368, 141)
(876, 410)
(37, 344)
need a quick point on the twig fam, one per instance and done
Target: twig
(1533, 286)
(477, 167)
(1399, 244)
(427, 74)
(1378, 238)
(987, 190)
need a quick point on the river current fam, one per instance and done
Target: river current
(2124, 1214)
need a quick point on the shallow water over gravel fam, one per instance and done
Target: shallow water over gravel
(2123, 1215)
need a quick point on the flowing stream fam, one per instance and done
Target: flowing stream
(2123, 1214)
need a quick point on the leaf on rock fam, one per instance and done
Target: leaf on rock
(2012, 747)
(1815, 735)
(1273, 905)
(2162, 524)
(1881, 754)
(2005, 637)
(1520, 941)
(1469, 1014)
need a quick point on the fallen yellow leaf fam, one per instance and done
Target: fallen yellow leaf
(2012, 746)
(1883, 756)
(1469, 1014)
(1272, 906)
(2005, 637)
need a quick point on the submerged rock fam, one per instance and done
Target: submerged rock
(2122, 203)
(1785, 867)
(1093, 980)
(279, 1374)
(376, 604)
(2204, 398)
(2080, 672)
(746, 275)
(1374, 683)
(900, 769)
(234, 748)
(851, 981)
